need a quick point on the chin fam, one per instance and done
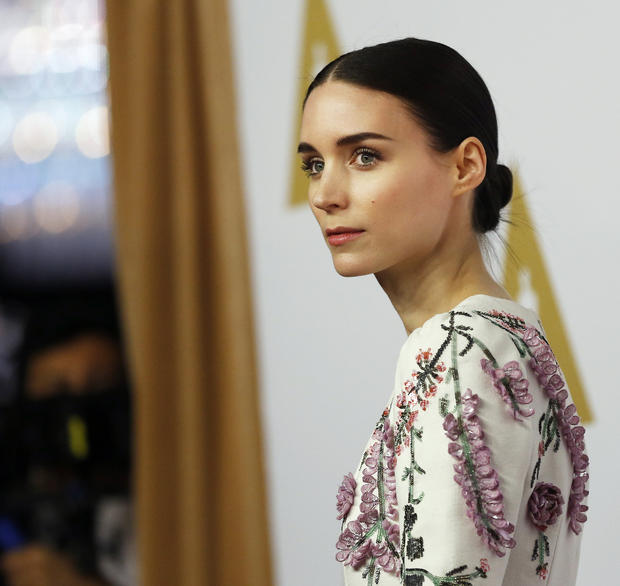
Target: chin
(347, 269)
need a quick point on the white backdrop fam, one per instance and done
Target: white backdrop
(328, 345)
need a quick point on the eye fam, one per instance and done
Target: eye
(312, 166)
(365, 157)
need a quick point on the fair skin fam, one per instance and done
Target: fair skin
(389, 204)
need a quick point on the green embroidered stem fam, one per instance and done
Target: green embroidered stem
(549, 431)
(380, 491)
(541, 548)
(486, 351)
(378, 526)
(448, 578)
(455, 374)
(471, 470)
(368, 534)
(415, 433)
(521, 346)
(412, 451)
(505, 381)
(371, 571)
(414, 548)
(469, 463)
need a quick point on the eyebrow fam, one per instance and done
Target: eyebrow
(304, 147)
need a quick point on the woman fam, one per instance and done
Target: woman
(476, 467)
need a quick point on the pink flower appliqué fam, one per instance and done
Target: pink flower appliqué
(476, 476)
(378, 514)
(549, 376)
(511, 386)
(345, 496)
(545, 505)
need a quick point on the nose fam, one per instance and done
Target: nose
(329, 193)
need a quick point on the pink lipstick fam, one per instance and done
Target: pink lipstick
(341, 235)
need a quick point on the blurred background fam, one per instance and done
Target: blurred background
(174, 407)
(65, 404)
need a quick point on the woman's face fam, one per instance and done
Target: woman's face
(381, 195)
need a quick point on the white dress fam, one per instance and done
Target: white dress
(475, 472)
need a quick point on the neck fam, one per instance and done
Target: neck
(420, 291)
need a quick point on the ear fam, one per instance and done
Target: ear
(470, 160)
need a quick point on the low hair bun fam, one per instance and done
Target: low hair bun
(504, 184)
(491, 196)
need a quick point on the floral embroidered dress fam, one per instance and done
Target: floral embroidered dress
(475, 472)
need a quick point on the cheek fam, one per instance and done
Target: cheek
(411, 194)
(424, 190)
(412, 209)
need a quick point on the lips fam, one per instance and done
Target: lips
(342, 235)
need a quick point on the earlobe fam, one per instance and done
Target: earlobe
(471, 162)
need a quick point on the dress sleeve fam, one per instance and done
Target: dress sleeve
(449, 488)
(464, 442)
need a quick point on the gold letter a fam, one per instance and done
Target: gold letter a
(525, 274)
(320, 47)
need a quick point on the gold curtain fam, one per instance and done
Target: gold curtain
(185, 294)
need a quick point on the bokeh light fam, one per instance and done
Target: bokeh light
(28, 49)
(35, 137)
(6, 122)
(56, 207)
(66, 41)
(13, 221)
(93, 56)
(54, 139)
(91, 133)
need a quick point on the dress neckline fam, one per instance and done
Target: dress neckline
(482, 301)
